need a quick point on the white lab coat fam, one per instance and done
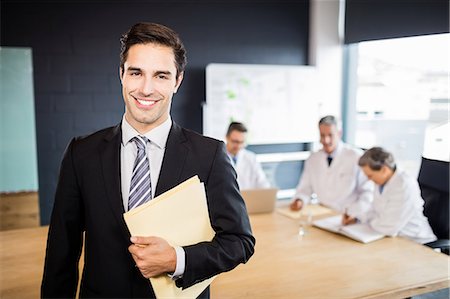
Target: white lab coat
(341, 186)
(249, 172)
(398, 210)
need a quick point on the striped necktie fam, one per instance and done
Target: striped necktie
(140, 186)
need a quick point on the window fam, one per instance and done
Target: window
(403, 95)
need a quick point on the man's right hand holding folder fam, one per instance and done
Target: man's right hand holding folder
(153, 256)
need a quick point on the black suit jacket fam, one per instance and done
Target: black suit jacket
(88, 200)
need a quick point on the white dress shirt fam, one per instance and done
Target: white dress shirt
(249, 172)
(155, 152)
(398, 210)
(341, 186)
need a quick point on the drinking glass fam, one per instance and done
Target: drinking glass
(305, 223)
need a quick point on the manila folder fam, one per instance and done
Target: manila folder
(180, 216)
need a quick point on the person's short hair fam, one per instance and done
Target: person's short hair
(376, 157)
(236, 126)
(331, 120)
(328, 120)
(145, 33)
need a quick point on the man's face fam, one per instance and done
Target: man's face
(379, 177)
(235, 142)
(329, 137)
(148, 84)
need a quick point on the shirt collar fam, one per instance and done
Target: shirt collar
(239, 153)
(336, 151)
(396, 173)
(157, 136)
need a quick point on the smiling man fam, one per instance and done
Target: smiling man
(149, 79)
(332, 173)
(117, 169)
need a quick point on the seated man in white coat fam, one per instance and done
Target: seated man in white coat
(397, 208)
(249, 172)
(332, 173)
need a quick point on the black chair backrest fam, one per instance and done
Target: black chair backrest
(434, 185)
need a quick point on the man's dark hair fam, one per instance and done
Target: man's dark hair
(145, 33)
(236, 126)
(376, 157)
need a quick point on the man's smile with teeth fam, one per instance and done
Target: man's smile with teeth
(145, 102)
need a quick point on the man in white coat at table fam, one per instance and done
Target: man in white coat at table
(397, 208)
(249, 172)
(332, 173)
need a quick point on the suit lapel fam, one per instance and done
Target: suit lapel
(110, 159)
(174, 159)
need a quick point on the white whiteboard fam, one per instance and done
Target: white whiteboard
(278, 104)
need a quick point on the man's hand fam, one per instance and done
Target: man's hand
(153, 256)
(296, 205)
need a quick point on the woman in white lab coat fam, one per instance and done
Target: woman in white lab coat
(397, 208)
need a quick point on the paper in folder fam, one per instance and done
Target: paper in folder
(180, 216)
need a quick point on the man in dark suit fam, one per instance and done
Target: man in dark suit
(96, 186)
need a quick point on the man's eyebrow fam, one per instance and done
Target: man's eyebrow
(138, 69)
(163, 73)
(133, 68)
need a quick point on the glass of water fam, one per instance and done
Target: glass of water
(305, 223)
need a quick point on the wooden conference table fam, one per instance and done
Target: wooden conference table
(285, 265)
(325, 265)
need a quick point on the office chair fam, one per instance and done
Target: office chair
(434, 185)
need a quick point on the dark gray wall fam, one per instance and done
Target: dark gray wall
(380, 19)
(76, 47)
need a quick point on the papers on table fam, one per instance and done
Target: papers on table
(359, 232)
(180, 216)
(313, 210)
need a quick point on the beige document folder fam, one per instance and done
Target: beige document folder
(180, 216)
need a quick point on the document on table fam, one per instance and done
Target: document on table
(313, 210)
(180, 216)
(359, 232)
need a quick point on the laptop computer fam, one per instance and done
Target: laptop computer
(260, 200)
